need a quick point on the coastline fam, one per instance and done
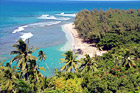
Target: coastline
(77, 43)
(69, 45)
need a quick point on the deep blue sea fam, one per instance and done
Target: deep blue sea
(42, 23)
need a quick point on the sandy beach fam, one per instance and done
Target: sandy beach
(77, 43)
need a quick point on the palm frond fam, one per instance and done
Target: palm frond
(15, 58)
(20, 62)
(42, 68)
(14, 52)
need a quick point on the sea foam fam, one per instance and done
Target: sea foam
(26, 36)
(70, 15)
(53, 17)
(70, 44)
(47, 17)
(39, 24)
(42, 24)
(63, 18)
(21, 28)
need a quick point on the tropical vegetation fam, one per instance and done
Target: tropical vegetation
(109, 28)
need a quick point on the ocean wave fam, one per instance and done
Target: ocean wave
(39, 24)
(42, 24)
(53, 17)
(70, 15)
(63, 18)
(26, 36)
(21, 28)
(47, 17)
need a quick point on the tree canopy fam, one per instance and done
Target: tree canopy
(109, 28)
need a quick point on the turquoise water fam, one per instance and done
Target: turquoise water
(42, 22)
(53, 56)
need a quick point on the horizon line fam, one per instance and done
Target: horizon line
(103, 0)
(67, 0)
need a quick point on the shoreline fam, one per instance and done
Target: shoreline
(69, 45)
(78, 44)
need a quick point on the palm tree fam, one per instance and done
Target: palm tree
(23, 54)
(88, 64)
(128, 61)
(35, 77)
(125, 57)
(42, 57)
(7, 78)
(70, 61)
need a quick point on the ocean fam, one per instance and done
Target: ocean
(42, 23)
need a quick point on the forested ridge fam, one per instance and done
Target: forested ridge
(117, 71)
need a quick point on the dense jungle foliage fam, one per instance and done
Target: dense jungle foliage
(109, 29)
(117, 71)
